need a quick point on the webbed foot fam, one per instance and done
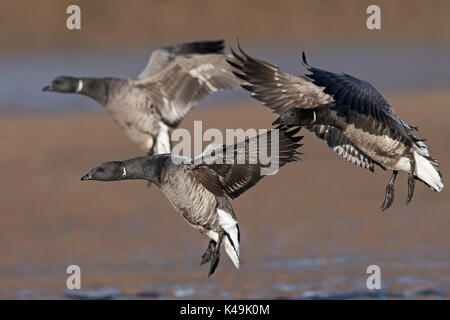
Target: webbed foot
(389, 195)
(206, 257)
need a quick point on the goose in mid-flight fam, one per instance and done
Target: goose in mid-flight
(349, 113)
(200, 188)
(175, 80)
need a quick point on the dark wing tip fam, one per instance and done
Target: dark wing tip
(233, 63)
(241, 76)
(201, 47)
(304, 62)
(291, 132)
(216, 46)
(297, 139)
(238, 61)
(241, 50)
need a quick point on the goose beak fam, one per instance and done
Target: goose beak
(46, 88)
(276, 121)
(87, 176)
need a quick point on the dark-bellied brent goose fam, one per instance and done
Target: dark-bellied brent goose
(349, 113)
(175, 80)
(200, 188)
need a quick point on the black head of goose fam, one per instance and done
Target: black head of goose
(349, 113)
(200, 188)
(95, 88)
(175, 79)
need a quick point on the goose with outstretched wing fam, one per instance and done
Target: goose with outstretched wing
(201, 188)
(349, 113)
(174, 81)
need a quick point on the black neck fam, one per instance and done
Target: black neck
(96, 88)
(145, 168)
(330, 114)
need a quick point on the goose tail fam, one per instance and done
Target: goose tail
(232, 237)
(427, 168)
(232, 253)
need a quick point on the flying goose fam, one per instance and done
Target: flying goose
(175, 79)
(200, 188)
(349, 113)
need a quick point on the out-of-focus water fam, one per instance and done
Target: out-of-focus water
(22, 76)
(339, 277)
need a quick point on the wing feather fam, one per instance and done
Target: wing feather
(275, 89)
(360, 96)
(280, 91)
(162, 57)
(231, 170)
(187, 80)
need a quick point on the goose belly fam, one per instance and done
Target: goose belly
(144, 141)
(140, 127)
(194, 203)
(387, 151)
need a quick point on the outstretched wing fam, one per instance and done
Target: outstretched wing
(275, 89)
(181, 85)
(231, 170)
(361, 97)
(280, 91)
(162, 57)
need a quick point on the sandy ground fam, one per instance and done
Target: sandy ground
(309, 232)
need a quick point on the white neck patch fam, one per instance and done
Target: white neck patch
(315, 117)
(80, 86)
(124, 172)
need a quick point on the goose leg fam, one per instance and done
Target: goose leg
(216, 255)
(150, 152)
(389, 196)
(411, 181)
(206, 257)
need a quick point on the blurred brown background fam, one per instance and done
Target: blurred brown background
(309, 232)
(41, 24)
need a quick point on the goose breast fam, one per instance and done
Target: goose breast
(193, 201)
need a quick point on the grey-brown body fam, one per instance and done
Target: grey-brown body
(191, 199)
(131, 108)
(375, 141)
(381, 146)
